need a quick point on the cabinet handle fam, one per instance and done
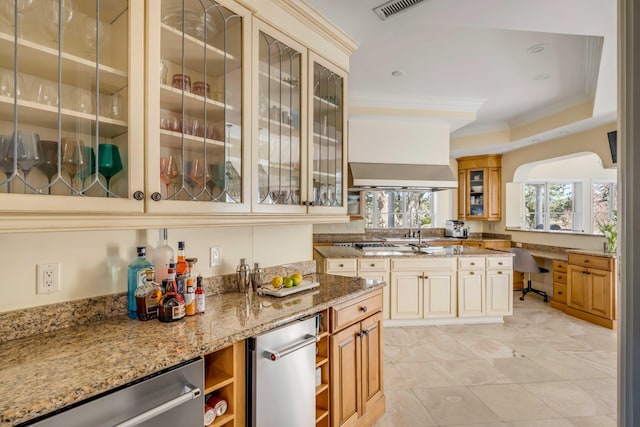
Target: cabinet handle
(499, 262)
(559, 292)
(471, 273)
(586, 260)
(559, 277)
(156, 196)
(341, 265)
(359, 334)
(365, 332)
(363, 309)
(499, 272)
(372, 265)
(138, 195)
(473, 263)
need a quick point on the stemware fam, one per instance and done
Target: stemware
(109, 162)
(6, 147)
(49, 165)
(72, 157)
(8, 12)
(28, 152)
(57, 14)
(7, 84)
(168, 171)
(199, 173)
(89, 166)
(188, 166)
(92, 30)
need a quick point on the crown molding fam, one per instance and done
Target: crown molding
(550, 110)
(592, 58)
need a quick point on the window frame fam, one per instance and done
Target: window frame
(577, 208)
(404, 214)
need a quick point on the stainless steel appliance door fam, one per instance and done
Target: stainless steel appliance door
(283, 376)
(171, 398)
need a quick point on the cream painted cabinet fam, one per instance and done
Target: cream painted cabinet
(471, 287)
(377, 269)
(341, 266)
(423, 288)
(499, 276)
(72, 108)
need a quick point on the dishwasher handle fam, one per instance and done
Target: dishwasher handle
(192, 393)
(275, 355)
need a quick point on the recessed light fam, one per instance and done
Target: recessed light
(397, 73)
(542, 77)
(564, 132)
(536, 48)
(535, 140)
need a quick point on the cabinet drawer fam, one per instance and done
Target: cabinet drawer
(341, 264)
(368, 264)
(590, 261)
(560, 293)
(423, 264)
(473, 244)
(559, 265)
(355, 310)
(470, 263)
(494, 262)
(559, 277)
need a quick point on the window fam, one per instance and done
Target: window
(553, 206)
(398, 209)
(604, 199)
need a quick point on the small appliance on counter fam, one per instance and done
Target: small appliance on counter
(454, 228)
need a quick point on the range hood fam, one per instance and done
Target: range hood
(399, 176)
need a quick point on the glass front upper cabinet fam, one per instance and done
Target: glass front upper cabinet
(327, 137)
(195, 128)
(279, 150)
(67, 128)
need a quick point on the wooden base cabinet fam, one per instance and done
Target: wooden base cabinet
(224, 376)
(560, 281)
(591, 289)
(356, 360)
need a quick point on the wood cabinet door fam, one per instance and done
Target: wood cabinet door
(346, 376)
(600, 301)
(440, 293)
(499, 293)
(406, 295)
(462, 195)
(493, 195)
(372, 361)
(471, 293)
(577, 291)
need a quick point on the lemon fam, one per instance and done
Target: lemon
(276, 282)
(297, 278)
(288, 282)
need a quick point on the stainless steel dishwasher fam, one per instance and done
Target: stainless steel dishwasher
(282, 376)
(170, 398)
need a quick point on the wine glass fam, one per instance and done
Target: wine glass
(72, 157)
(168, 171)
(28, 152)
(199, 173)
(89, 166)
(49, 165)
(188, 166)
(109, 162)
(8, 12)
(57, 14)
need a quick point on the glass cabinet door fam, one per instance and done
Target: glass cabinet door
(65, 118)
(279, 145)
(327, 184)
(195, 129)
(477, 190)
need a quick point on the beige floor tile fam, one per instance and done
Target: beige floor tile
(414, 353)
(474, 372)
(597, 421)
(567, 398)
(603, 389)
(404, 409)
(488, 348)
(392, 378)
(555, 422)
(450, 349)
(425, 374)
(512, 402)
(454, 405)
(500, 424)
(568, 367)
(523, 370)
(399, 336)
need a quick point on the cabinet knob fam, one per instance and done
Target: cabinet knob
(156, 196)
(499, 262)
(341, 265)
(472, 273)
(559, 292)
(365, 332)
(586, 260)
(363, 309)
(138, 195)
(559, 277)
(473, 263)
(372, 265)
(499, 272)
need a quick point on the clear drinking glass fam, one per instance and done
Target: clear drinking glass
(72, 156)
(28, 152)
(57, 14)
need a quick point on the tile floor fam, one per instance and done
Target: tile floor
(540, 368)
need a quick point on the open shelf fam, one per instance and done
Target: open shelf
(42, 61)
(320, 414)
(215, 379)
(222, 420)
(322, 387)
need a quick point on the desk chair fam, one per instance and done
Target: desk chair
(525, 263)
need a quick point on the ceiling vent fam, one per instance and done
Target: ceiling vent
(390, 8)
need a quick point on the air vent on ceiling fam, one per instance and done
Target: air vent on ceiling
(390, 8)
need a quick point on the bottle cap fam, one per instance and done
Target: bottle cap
(172, 265)
(180, 245)
(142, 250)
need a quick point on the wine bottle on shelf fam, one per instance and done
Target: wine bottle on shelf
(162, 256)
(136, 277)
(200, 296)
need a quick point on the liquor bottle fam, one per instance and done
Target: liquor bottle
(162, 257)
(190, 287)
(200, 294)
(148, 297)
(135, 278)
(182, 268)
(171, 307)
(178, 285)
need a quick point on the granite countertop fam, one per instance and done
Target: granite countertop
(447, 251)
(593, 252)
(46, 372)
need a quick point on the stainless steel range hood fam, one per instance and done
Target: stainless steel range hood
(397, 176)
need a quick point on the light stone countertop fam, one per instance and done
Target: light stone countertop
(42, 373)
(448, 251)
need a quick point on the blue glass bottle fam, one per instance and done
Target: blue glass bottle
(136, 277)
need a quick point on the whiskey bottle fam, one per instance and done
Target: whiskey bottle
(171, 307)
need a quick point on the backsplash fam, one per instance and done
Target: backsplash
(47, 318)
(380, 233)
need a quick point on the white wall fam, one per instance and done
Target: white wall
(95, 263)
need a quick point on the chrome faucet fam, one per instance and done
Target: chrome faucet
(413, 210)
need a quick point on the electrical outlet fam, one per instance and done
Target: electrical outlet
(215, 256)
(47, 278)
(518, 244)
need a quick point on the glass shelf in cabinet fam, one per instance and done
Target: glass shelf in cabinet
(171, 99)
(41, 61)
